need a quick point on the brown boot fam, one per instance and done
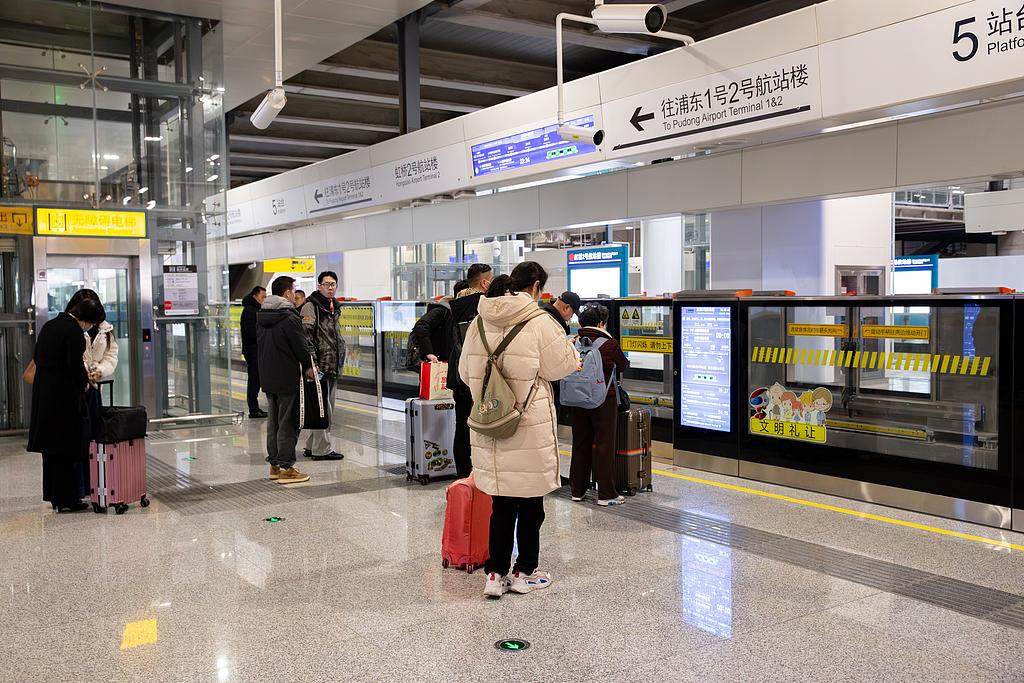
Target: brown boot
(291, 476)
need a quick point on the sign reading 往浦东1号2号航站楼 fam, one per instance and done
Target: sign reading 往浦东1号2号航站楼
(772, 93)
(528, 148)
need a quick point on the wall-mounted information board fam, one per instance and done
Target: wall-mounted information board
(526, 149)
(705, 356)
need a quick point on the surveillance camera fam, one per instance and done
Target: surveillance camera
(269, 108)
(630, 18)
(589, 136)
(496, 248)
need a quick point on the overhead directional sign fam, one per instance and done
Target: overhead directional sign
(339, 193)
(17, 220)
(89, 223)
(730, 104)
(639, 118)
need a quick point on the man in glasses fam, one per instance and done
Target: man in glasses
(320, 321)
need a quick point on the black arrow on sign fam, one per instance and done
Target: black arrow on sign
(317, 195)
(639, 118)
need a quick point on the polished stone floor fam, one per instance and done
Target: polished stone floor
(349, 586)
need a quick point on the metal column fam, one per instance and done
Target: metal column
(409, 73)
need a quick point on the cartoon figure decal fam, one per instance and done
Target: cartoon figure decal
(782, 413)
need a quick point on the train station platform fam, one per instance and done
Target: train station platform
(706, 578)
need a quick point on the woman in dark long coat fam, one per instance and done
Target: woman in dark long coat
(60, 418)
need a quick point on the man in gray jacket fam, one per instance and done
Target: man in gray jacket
(320, 316)
(284, 354)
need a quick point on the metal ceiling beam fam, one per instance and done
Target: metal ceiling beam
(336, 94)
(537, 29)
(327, 123)
(448, 65)
(322, 78)
(751, 15)
(248, 156)
(295, 142)
(392, 76)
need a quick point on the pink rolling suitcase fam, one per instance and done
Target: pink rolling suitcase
(467, 525)
(117, 474)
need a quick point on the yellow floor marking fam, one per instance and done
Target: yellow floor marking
(361, 410)
(855, 513)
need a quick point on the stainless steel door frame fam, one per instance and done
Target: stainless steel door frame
(136, 254)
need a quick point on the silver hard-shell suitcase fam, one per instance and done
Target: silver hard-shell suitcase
(633, 451)
(429, 437)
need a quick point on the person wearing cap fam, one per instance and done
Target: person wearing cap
(563, 308)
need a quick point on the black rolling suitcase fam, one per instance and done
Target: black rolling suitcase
(633, 451)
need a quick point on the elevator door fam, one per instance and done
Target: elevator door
(115, 279)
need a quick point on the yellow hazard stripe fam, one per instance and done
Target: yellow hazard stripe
(873, 360)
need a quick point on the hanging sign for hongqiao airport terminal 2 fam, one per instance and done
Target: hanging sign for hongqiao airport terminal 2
(89, 223)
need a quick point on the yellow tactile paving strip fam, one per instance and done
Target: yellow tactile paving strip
(874, 360)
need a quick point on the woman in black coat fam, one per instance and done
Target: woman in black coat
(59, 425)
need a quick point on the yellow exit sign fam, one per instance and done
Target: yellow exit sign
(17, 220)
(89, 223)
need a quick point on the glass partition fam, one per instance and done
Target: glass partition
(357, 328)
(908, 381)
(645, 335)
(395, 321)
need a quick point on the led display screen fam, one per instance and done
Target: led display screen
(529, 148)
(705, 362)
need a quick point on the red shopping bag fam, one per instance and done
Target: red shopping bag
(434, 381)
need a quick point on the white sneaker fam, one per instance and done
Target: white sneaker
(496, 586)
(612, 501)
(524, 583)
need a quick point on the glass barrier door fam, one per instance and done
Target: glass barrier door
(16, 334)
(114, 279)
(358, 381)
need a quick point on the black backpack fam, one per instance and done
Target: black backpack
(455, 335)
(413, 359)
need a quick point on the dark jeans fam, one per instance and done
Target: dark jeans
(593, 447)
(252, 393)
(505, 511)
(281, 433)
(461, 450)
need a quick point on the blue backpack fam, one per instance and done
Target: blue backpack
(586, 388)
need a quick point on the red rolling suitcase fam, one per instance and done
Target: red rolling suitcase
(117, 474)
(467, 524)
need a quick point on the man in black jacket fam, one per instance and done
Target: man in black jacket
(562, 309)
(250, 306)
(463, 310)
(284, 354)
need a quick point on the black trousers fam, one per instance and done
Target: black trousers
(593, 447)
(461, 450)
(252, 393)
(505, 513)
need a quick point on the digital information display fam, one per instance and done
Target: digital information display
(705, 354)
(529, 148)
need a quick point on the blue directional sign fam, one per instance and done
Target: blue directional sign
(529, 148)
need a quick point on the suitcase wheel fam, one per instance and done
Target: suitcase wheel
(98, 509)
(631, 492)
(408, 476)
(424, 480)
(444, 563)
(469, 569)
(144, 502)
(649, 488)
(121, 509)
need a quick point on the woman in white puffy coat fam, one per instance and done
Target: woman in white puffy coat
(518, 471)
